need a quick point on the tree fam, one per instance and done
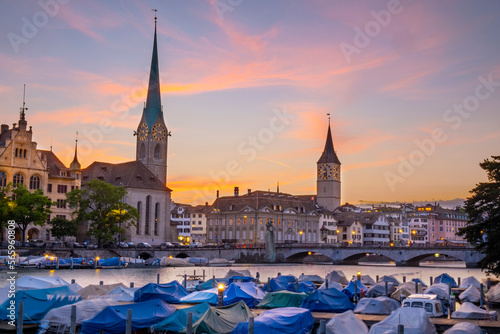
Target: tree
(61, 227)
(483, 208)
(5, 206)
(27, 207)
(101, 205)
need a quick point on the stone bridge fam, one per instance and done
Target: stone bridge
(402, 256)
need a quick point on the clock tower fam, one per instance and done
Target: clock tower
(328, 176)
(152, 133)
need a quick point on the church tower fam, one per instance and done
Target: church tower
(328, 179)
(152, 134)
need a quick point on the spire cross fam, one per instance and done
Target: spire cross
(23, 108)
(328, 117)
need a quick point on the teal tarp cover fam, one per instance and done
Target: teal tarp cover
(210, 296)
(113, 319)
(445, 278)
(111, 262)
(282, 299)
(249, 292)
(209, 284)
(37, 303)
(222, 320)
(287, 320)
(177, 322)
(328, 300)
(170, 292)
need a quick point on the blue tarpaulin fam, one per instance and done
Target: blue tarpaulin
(418, 280)
(209, 284)
(111, 262)
(177, 322)
(286, 320)
(248, 292)
(241, 279)
(37, 303)
(351, 287)
(279, 283)
(445, 278)
(113, 319)
(304, 286)
(206, 296)
(328, 300)
(170, 292)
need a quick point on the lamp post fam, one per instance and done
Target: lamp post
(301, 232)
(220, 294)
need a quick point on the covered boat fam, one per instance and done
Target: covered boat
(350, 289)
(167, 261)
(248, 292)
(346, 323)
(335, 285)
(282, 298)
(445, 278)
(468, 281)
(471, 311)
(36, 282)
(414, 320)
(367, 280)
(95, 290)
(222, 320)
(177, 321)
(464, 328)
(239, 272)
(198, 261)
(211, 284)
(378, 290)
(121, 294)
(37, 303)
(418, 280)
(439, 289)
(58, 320)
(287, 320)
(279, 283)
(312, 278)
(378, 305)
(218, 262)
(304, 286)
(406, 289)
(328, 300)
(170, 292)
(113, 319)
(390, 279)
(111, 263)
(209, 296)
(493, 295)
(471, 294)
(337, 276)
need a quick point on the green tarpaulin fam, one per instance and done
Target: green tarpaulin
(282, 299)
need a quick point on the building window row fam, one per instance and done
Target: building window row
(20, 153)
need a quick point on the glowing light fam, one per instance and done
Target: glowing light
(220, 287)
(300, 232)
(353, 232)
(309, 253)
(170, 257)
(436, 255)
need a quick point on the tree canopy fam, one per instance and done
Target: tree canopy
(101, 205)
(483, 208)
(61, 227)
(26, 207)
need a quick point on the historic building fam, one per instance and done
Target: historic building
(22, 163)
(328, 178)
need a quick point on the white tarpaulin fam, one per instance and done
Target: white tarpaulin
(471, 311)
(346, 323)
(414, 320)
(471, 294)
(471, 280)
(464, 328)
(379, 305)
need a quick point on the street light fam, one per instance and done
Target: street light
(220, 290)
(301, 232)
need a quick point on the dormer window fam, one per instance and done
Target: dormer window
(62, 173)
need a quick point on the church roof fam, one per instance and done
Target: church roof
(75, 164)
(153, 102)
(132, 174)
(329, 154)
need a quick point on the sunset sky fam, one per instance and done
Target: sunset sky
(412, 87)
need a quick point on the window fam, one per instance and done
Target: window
(17, 180)
(139, 208)
(24, 154)
(148, 214)
(62, 189)
(157, 216)
(157, 151)
(49, 188)
(34, 182)
(3, 179)
(61, 204)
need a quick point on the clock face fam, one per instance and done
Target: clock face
(159, 131)
(324, 172)
(143, 131)
(336, 172)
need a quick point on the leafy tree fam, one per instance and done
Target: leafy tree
(483, 208)
(61, 227)
(27, 207)
(100, 204)
(4, 206)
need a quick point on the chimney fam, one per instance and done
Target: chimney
(249, 191)
(5, 128)
(217, 194)
(236, 191)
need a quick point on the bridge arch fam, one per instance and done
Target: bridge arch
(303, 255)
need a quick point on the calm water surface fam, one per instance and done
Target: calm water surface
(144, 275)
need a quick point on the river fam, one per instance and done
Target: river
(144, 275)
